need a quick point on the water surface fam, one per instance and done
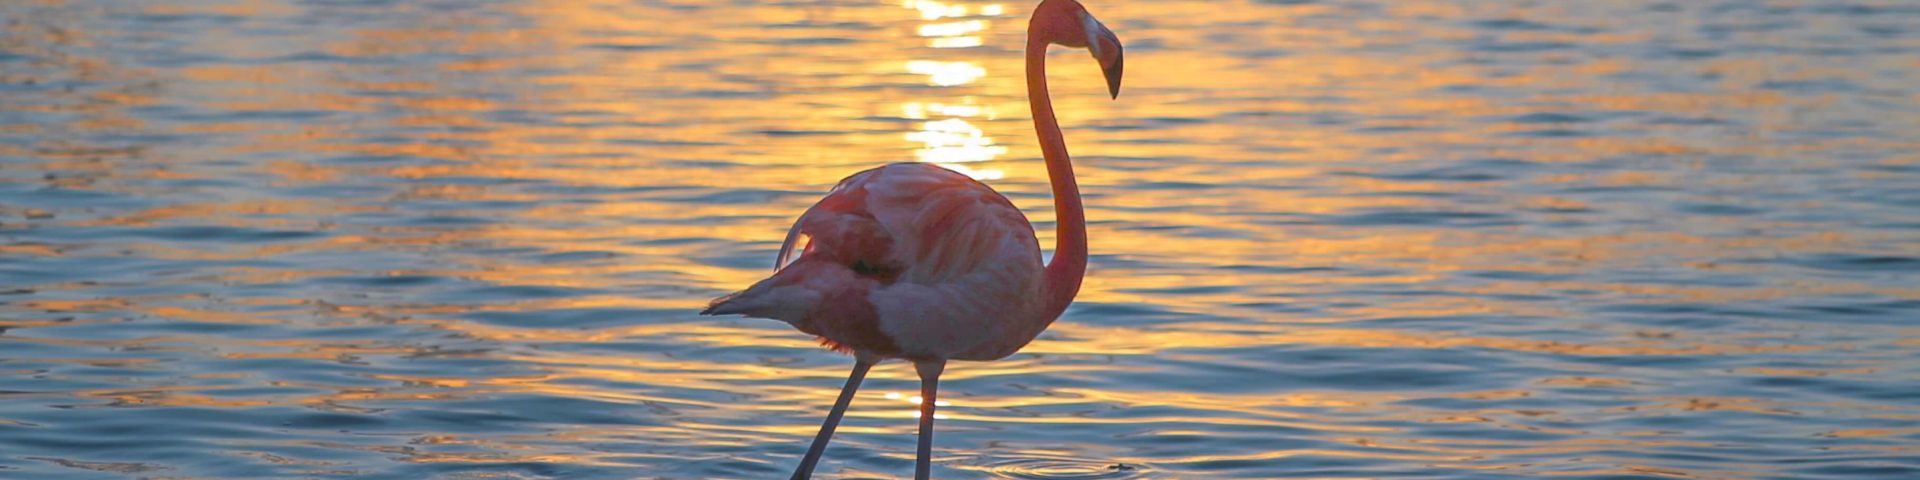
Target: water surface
(1331, 239)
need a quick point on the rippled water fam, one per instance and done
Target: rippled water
(1460, 239)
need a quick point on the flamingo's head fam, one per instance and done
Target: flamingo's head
(1068, 23)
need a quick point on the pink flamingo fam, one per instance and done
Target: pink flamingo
(916, 262)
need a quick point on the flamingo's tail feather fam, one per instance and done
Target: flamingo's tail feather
(771, 298)
(719, 305)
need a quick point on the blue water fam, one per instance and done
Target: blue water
(1331, 239)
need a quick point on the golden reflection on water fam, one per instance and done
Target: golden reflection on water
(950, 132)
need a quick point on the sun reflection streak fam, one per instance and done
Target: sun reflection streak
(955, 42)
(954, 34)
(916, 400)
(935, 9)
(954, 141)
(947, 137)
(947, 74)
(952, 29)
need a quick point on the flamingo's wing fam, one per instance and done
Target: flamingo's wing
(906, 242)
(794, 234)
(786, 248)
(822, 259)
(910, 222)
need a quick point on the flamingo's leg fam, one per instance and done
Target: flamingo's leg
(929, 384)
(805, 470)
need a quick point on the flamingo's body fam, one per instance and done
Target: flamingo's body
(912, 261)
(917, 262)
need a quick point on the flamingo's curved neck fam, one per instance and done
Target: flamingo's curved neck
(1069, 262)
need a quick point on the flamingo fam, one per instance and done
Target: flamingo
(916, 262)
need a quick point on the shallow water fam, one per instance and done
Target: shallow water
(1456, 239)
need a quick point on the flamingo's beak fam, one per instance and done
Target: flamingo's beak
(1106, 49)
(1112, 70)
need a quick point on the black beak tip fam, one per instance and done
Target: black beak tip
(1113, 78)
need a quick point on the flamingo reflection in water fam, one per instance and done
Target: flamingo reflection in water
(917, 262)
